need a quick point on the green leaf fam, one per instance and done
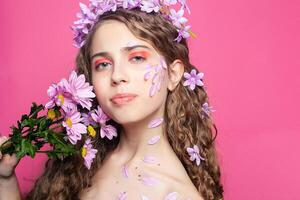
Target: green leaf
(24, 117)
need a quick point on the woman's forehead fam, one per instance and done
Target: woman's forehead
(112, 35)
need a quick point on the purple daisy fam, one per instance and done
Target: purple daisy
(150, 6)
(87, 118)
(74, 126)
(80, 90)
(195, 154)
(88, 153)
(177, 17)
(193, 79)
(108, 131)
(59, 96)
(207, 109)
(100, 117)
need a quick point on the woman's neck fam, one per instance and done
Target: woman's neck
(134, 141)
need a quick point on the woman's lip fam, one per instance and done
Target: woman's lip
(122, 100)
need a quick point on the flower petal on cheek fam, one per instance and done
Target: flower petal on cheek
(147, 76)
(152, 90)
(155, 79)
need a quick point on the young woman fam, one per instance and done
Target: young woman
(164, 146)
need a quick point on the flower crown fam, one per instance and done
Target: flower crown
(89, 15)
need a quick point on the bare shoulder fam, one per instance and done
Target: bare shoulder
(184, 188)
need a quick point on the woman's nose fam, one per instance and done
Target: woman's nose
(119, 74)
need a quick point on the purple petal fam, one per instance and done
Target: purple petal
(147, 76)
(152, 90)
(196, 148)
(149, 159)
(155, 78)
(171, 196)
(192, 86)
(144, 197)
(154, 139)
(125, 171)
(186, 75)
(149, 181)
(122, 196)
(156, 122)
(190, 150)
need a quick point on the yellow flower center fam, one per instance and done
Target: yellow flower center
(61, 98)
(91, 131)
(83, 151)
(51, 114)
(69, 122)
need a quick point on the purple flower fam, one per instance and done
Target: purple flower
(207, 109)
(169, 2)
(79, 37)
(59, 96)
(177, 17)
(85, 16)
(74, 126)
(150, 6)
(126, 3)
(88, 153)
(193, 79)
(195, 154)
(99, 116)
(184, 5)
(87, 118)
(183, 33)
(81, 91)
(108, 131)
(83, 25)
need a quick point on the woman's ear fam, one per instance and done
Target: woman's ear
(175, 74)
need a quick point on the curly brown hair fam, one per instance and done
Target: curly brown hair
(184, 121)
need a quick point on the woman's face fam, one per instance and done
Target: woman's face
(122, 63)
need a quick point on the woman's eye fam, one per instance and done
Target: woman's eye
(137, 59)
(103, 65)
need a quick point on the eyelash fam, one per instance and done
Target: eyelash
(140, 59)
(99, 64)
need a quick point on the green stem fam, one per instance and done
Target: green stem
(36, 111)
(57, 121)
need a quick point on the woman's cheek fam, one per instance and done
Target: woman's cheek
(156, 74)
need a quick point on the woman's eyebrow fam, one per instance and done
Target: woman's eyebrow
(128, 48)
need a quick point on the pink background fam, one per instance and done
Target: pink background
(248, 50)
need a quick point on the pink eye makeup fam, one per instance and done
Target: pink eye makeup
(101, 61)
(143, 54)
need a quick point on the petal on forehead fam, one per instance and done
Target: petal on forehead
(131, 43)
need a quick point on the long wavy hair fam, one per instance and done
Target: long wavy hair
(183, 117)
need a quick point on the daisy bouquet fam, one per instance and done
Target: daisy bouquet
(67, 120)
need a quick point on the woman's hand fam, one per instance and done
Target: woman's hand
(8, 162)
